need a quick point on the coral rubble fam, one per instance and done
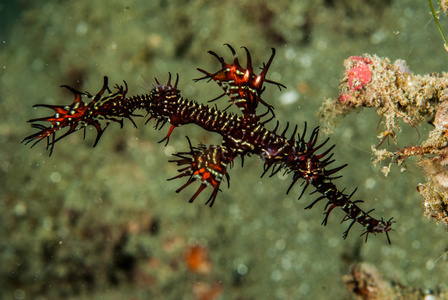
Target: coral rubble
(398, 95)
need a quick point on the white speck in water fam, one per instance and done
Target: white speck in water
(149, 160)
(290, 54)
(286, 263)
(304, 288)
(82, 28)
(276, 275)
(306, 61)
(37, 65)
(19, 294)
(20, 209)
(47, 223)
(321, 45)
(430, 265)
(378, 37)
(416, 244)
(275, 76)
(280, 244)
(289, 97)
(169, 150)
(55, 177)
(242, 269)
(370, 183)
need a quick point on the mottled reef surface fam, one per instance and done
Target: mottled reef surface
(104, 223)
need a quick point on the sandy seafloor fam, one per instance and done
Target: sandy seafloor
(103, 223)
